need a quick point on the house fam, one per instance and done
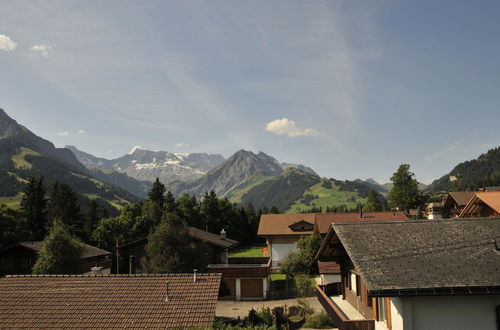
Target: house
(215, 249)
(329, 277)
(483, 204)
(426, 274)
(282, 231)
(108, 301)
(19, 258)
(434, 211)
(245, 278)
(454, 203)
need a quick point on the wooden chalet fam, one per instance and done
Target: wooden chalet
(425, 274)
(454, 203)
(19, 258)
(483, 204)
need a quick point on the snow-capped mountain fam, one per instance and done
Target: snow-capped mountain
(148, 165)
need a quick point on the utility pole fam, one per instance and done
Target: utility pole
(117, 258)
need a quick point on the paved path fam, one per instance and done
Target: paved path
(233, 309)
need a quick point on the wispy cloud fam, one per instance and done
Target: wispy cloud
(41, 50)
(181, 145)
(284, 126)
(63, 133)
(6, 43)
(81, 132)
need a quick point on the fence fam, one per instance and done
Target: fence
(284, 289)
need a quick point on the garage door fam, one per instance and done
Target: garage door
(251, 288)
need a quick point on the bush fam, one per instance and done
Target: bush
(318, 321)
(303, 284)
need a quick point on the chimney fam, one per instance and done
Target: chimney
(96, 270)
(167, 298)
(131, 264)
(223, 233)
(361, 211)
(194, 275)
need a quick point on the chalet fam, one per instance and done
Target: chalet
(215, 249)
(483, 204)
(433, 211)
(108, 301)
(244, 278)
(282, 231)
(454, 203)
(426, 274)
(19, 258)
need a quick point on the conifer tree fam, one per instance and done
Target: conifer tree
(64, 205)
(61, 252)
(373, 202)
(404, 193)
(157, 193)
(170, 204)
(34, 207)
(170, 249)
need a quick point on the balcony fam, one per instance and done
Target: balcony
(344, 316)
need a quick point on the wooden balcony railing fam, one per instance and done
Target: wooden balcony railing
(339, 318)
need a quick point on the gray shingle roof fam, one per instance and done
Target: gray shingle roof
(89, 251)
(424, 254)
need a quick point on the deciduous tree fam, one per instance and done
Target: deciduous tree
(404, 193)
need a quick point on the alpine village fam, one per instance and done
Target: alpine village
(157, 240)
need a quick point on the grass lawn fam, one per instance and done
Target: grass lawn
(276, 277)
(247, 251)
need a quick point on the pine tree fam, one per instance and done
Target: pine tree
(34, 208)
(64, 205)
(170, 249)
(157, 194)
(170, 204)
(61, 252)
(404, 193)
(373, 202)
(91, 218)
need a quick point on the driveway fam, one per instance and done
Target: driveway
(233, 309)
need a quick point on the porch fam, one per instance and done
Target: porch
(343, 314)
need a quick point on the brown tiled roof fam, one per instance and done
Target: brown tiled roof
(460, 197)
(328, 267)
(490, 198)
(324, 220)
(108, 302)
(89, 251)
(213, 239)
(278, 224)
(461, 254)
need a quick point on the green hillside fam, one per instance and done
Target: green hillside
(18, 163)
(471, 175)
(281, 190)
(332, 193)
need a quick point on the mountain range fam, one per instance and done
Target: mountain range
(24, 154)
(245, 177)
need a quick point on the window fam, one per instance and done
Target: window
(381, 309)
(358, 285)
(354, 283)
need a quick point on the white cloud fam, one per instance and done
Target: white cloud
(288, 127)
(41, 50)
(81, 131)
(181, 145)
(64, 133)
(6, 43)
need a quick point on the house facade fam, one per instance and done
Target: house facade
(439, 274)
(454, 203)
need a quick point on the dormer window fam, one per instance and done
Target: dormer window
(301, 226)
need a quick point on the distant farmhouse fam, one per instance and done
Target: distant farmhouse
(108, 301)
(426, 274)
(19, 258)
(282, 231)
(216, 249)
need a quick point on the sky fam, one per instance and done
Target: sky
(351, 89)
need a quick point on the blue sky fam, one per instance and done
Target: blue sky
(352, 89)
